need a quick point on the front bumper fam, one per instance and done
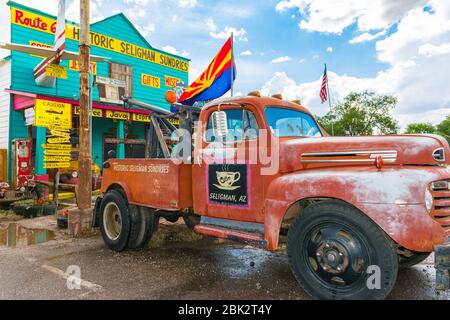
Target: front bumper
(442, 265)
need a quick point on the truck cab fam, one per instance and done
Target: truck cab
(262, 171)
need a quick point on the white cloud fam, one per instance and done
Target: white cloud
(330, 49)
(146, 30)
(335, 16)
(239, 34)
(416, 55)
(282, 59)
(367, 36)
(246, 53)
(430, 50)
(173, 50)
(301, 61)
(187, 3)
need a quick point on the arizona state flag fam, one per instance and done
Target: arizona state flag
(216, 80)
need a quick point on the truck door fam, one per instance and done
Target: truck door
(227, 180)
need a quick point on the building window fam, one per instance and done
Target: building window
(125, 73)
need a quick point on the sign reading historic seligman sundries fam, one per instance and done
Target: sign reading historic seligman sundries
(228, 184)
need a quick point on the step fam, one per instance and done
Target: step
(250, 238)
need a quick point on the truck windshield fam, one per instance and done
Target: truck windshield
(291, 123)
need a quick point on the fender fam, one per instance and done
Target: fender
(394, 198)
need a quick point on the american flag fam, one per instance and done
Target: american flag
(323, 89)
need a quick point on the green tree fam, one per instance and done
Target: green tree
(420, 127)
(361, 114)
(444, 128)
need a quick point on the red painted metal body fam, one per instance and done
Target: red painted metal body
(341, 168)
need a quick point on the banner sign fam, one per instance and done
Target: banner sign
(118, 115)
(53, 114)
(45, 24)
(228, 184)
(74, 66)
(171, 82)
(150, 81)
(97, 113)
(140, 117)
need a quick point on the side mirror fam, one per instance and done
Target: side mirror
(112, 154)
(220, 123)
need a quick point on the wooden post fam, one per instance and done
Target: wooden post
(85, 157)
(56, 188)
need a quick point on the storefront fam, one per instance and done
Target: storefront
(135, 69)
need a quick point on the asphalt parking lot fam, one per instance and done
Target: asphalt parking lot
(173, 267)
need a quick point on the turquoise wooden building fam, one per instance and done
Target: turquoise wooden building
(135, 69)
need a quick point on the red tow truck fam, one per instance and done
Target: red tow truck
(260, 170)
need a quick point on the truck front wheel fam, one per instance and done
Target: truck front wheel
(337, 252)
(115, 221)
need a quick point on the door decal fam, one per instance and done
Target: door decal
(228, 184)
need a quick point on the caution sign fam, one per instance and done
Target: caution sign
(228, 184)
(53, 114)
(56, 71)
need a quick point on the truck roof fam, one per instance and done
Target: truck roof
(260, 102)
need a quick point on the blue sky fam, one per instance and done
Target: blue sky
(391, 47)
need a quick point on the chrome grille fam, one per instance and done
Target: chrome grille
(441, 207)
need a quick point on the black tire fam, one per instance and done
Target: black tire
(143, 225)
(330, 247)
(191, 220)
(416, 258)
(149, 227)
(115, 221)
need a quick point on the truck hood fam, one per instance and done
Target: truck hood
(302, 153)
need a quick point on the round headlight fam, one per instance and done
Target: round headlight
(22, 189)
(428, 200)
(74, 174)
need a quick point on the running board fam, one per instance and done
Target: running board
(253, 239)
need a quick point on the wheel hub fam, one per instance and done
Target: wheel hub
(332, 257)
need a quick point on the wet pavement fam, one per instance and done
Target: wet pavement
(201, 268)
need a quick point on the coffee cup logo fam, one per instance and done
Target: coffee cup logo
(227, 180)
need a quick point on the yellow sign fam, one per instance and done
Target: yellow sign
(53, 114)
(119, 115)
(49, 152)
(41, 23)
(141, 117)
(150, 81)
(97, 113)
(74, 66)
(56, 71)
(60, 133)
(57, 158)
(67, 147)
(171, 82)
(58, 140)
(174, 121)
(56, 165)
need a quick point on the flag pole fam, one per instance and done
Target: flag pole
(329, 100)
(232, 64)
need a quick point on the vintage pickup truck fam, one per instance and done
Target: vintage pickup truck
(353, 210)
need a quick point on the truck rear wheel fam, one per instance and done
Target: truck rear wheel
(115, 221)
(145, 226)
(336, 252)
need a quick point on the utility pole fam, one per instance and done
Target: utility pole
(85, 156)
